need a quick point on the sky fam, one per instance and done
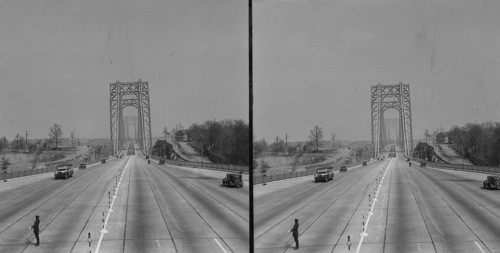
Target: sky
(57, 59)
(315, 61)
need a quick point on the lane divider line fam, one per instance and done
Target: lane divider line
(220, 245)
(104, 231)
(479, 246)
(365, 227)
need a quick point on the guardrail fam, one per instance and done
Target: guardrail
(23, 173)
(462, 167)
(310, 170)
(51, 168)
(213, 166)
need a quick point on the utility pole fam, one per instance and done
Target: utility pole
(286, 143)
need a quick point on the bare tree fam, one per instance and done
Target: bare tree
(3, 143)
(55, 132)
(72, 137)
(5, 164)
(165, 132)
(427, 134)
(333, 140)
(316, 135)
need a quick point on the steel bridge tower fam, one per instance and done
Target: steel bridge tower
(396, 96)
(135, 94)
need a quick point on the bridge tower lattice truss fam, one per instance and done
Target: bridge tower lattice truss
(383, 97)
(135, 94)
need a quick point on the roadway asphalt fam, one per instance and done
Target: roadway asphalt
(157, 209)
(417, 210)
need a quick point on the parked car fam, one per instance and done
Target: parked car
(233, 180)
(103, 161)
(161, 162)
(63, 171)
(364, 163)
(343, 168)
(323, 174)
(82, 166)
(423, 164)
(492, 182)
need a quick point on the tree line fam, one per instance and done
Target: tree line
(280, 146)
(224, 141)
(479, 142)
(19, 143)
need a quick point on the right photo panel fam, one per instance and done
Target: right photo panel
(376, 126)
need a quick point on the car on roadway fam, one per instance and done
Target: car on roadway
(323, 174)
(63, 171)
(364, 163)
(103, 161)
(423, 164)
(343, 168)
(233, 180)
(82, 166)
(492, 182)
(161, 162)
(408, 159)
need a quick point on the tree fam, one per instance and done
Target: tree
(55, 133)
(259, 146)
(473, 137)
(4, 143)
(165, 132)
(278, 145)
(72, 134)
(316, 135)
(426, 134)
(18, 143)
(333, 140)
(5, 164)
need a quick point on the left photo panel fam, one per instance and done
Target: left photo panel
(124, 126)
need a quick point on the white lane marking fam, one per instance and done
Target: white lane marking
(220, 245)
(107, 217)
(158, 244)
(371, 210)
(479, 246)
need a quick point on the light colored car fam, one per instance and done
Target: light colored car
(63, 171)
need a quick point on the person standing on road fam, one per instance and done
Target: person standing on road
(89, 240)
(295, 233)
(36, 229)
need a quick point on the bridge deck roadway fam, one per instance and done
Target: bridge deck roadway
(157, 209)
(418, 210)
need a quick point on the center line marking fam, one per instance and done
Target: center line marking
(111, 208)
(479, 246)
(371, 211)
(220, 245)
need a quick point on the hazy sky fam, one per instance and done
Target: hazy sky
(314, 63)
(57, 59)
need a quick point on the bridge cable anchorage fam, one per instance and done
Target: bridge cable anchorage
(110, 210)
(363, 234)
